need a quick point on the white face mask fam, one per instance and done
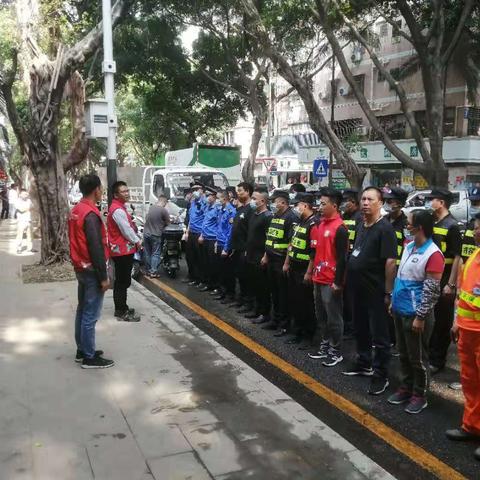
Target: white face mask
(298, 210)
(253, 204)
(408, 236)
(292, 196)
(218, 202)
(196, 194)
(387, 207)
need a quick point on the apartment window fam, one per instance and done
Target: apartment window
(360, 81)
(396, 32)
(384, 29)
(395, 73)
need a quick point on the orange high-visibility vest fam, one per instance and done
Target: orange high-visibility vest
(468, 306)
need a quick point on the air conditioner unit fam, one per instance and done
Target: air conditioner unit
(344, 91)
(356, 56)
(362, 130)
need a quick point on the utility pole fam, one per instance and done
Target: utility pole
(109, 69)
(333, 88)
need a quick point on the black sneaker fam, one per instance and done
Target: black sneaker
(322, 352)
(334, 358)
(378, 385)
(97, 362)
(358, 370)
(127, 317)
(79, 356)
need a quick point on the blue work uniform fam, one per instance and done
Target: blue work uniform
(225, 222)
(196, 215)
(210, 222)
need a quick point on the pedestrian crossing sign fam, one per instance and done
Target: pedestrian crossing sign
(320, 167)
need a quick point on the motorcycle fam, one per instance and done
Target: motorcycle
(171, 249)
(138, 255)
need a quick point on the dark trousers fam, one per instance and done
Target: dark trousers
(240, 268)
(370, 319)
(210, 263)
(5, 210)
(194, 258)
(440, 339)
(123, 279)
(413, 350)
(278, 282)
(348, 311)
(226, 273)
(301, 303)
(258, 280)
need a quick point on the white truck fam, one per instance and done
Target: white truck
(460, 207)
(219, 157)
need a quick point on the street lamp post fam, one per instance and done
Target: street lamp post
(109, 69)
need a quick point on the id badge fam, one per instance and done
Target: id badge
(356, 252)
(476, 291)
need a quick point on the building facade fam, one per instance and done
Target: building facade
(294, 145)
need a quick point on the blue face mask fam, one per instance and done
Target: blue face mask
(253, 204)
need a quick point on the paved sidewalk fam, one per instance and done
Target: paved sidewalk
(176, 406)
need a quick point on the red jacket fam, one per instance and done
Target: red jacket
(119, 245)
(322, 239)
(78, 241)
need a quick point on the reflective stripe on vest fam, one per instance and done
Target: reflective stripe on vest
(468, 306)
(442, 242)
(468, 244)
(299, 243)
(470, 298)
(468, 314)
(276, 233)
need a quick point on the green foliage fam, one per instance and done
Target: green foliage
(8, 37)
(165, 103)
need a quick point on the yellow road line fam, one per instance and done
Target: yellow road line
(414, 452)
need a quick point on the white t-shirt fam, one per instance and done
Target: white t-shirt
(23, 210)
(12, 196)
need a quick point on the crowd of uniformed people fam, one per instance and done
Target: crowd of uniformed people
(318, 267)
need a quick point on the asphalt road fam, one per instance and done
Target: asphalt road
(425, 430)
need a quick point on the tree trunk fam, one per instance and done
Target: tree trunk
(248, 170)
(46, 164)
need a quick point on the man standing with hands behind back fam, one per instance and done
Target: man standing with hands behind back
(123, 242)
(371, 270)
(89, 254)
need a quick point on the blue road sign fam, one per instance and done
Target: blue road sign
(320, 167)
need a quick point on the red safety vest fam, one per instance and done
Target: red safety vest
(119, 245)
(78, 241)
(322, 239)
(468, 306)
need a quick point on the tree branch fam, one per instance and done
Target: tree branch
(217, 81)
(392, 147)
(467, 9)
(6, 84)
(397, 86)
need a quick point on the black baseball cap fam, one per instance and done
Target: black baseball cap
(280, 194)
(440, 193)
(350, 193)
(304, 198)
(396, 193)
(331, 193)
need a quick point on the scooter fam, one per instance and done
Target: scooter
(171, 250)
(138, 255)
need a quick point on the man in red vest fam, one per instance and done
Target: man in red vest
(89, 255)
(329, 241)
(123, 242)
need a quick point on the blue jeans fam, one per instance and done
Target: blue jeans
(90, 301)
(153, 249)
